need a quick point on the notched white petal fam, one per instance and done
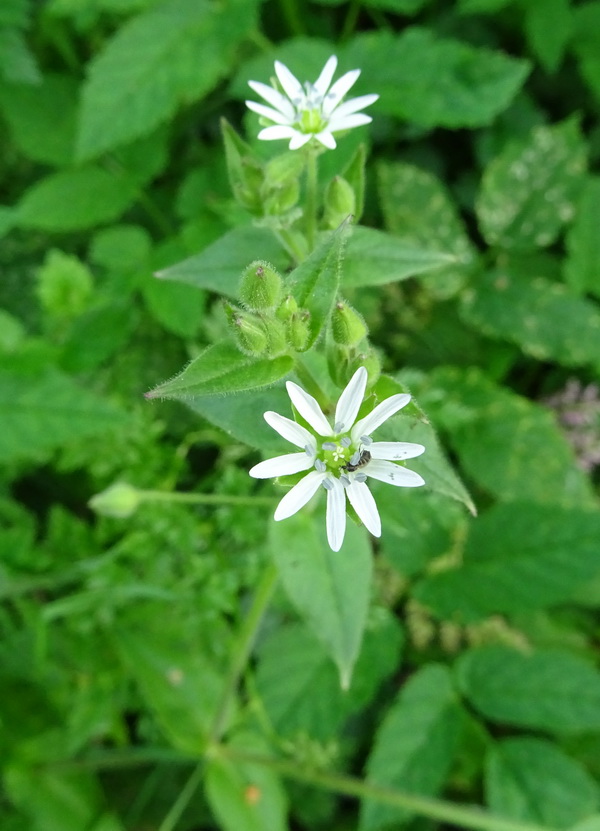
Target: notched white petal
(395, 451)
(338, 90)
(363, 503)
(336, 514)
(299, 495)
(268, 112)
(276, 132)
(324, 80)
(299, 140)
(281, 466)
(326, 138)
(351, 399)
(273, 97)
(393, 474)
(291, 85)
(291, 431)
(347, 122)
(309, 409)
(353, 105)
(380, 414)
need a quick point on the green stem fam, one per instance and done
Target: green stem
(350, 21)
(181, 803)
(462, 816)
(311, 197)
(289, 11)
(205, 498)
(290, 244)
(243, 647)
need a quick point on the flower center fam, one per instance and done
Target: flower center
(334, 456)
(311, 121)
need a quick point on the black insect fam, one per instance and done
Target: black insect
(364, 458)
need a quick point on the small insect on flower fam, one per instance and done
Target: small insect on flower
(302, 112)
(344, 461)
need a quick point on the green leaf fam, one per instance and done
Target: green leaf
(175, 677)
(150, 67)
(415, 745)
(517, 557)
(314, 283)
(586, 43)
(510, 446)
(374, 258)
(30, 111)
(300, 689)
(17, 63)
(330, 589)
(481, 6)
(43, 412)
(546, 319)
(98, 334)
(221, 369)
(75, 199)
(582, 266)
(529, 191)
(475, 85)
(533, 780)
(219, 267)
(417, 207)
(548, 689)
(245, 796)
(548, 27)
(177, 307)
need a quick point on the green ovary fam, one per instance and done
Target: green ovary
(311, 121)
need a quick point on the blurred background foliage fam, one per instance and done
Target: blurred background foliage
(477, 680)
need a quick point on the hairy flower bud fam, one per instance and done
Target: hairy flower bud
(287, 308)
(298, 330)
(340, 202)
(347, 326)
(249, 330)
(260, 287)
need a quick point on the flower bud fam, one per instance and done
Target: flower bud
(281, 199)
(340, 202)
(249, 330)
(347, 326)
(298, 330)
(245, 172)
(260, 287)
(371, 362)
(276, 340)
(119, 500)
(287, 308)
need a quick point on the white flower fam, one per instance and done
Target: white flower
(342, 457)
(309, 110)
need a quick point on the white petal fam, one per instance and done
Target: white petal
(299, 495)
(393, 474)
(338, 90)
(277, 132)
(291, 85)
(326, 139)
(299, 139)
(381, 413)
(351, 399)
(282, 466)
(268, 112)
(363, 503)
(395, 450)
(324, 80)
(309, 409)
(275, 98)
(336, 514)
(291, 431)
(347, 122)
(353, 105)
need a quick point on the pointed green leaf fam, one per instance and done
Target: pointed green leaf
(529, 191)
(533, 780)
(548, 689)
(415, 745)
(476, 83)
(175, 677)
(150, 67)
(547, 320)
(223, 369)
(330, 589)
(43, 412)
(219, 267)
(418, 209)
(582, 266)
(314, 283)
(374, 258)
(517, 557)
(245, 796)
(548, 27)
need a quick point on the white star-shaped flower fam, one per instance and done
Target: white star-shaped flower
(313, 110)
(339, 458)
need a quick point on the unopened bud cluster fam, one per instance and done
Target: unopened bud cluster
(268, 324)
